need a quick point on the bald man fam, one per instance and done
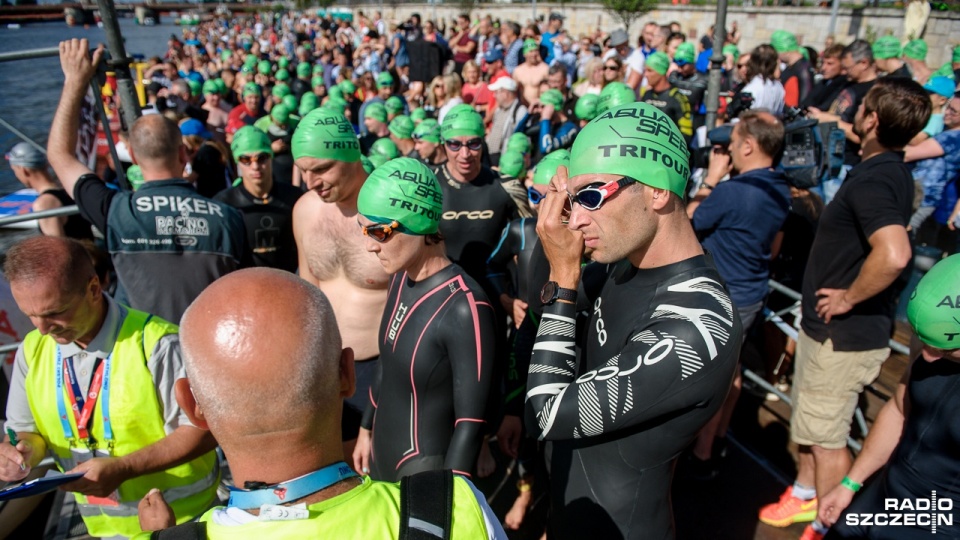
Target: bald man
(166, 241)
(274, 406)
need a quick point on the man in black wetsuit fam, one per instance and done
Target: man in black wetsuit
(916, 451)
(437, 339)
(671, 101)
(660, 349)
(266, 205)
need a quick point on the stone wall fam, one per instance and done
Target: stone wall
(810, 24)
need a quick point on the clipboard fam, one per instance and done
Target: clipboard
(38, 486)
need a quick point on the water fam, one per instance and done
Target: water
(30, 89)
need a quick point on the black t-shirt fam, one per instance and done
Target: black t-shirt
(875, 194)
(76, 226)
(803, 73)
(269, 223)
(213, 176)
(825, 92)
(845, 106)
(902, 72)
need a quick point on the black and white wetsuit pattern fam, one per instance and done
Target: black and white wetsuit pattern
(657, 360)
(427, 403)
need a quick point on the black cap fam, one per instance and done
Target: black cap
(556, 16)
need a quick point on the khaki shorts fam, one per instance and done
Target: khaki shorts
(826, 386)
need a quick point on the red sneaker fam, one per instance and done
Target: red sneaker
(809, 533)
(789, 510)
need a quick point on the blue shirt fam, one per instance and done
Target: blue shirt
(936, 173)
(738, 222)
(511, 56)
(547, 39)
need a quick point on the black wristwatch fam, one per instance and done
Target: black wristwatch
(552, 291)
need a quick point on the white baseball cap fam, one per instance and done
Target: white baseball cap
(504, 83)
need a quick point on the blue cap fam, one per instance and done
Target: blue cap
(493, 55)
(940, 85)
(194, 127)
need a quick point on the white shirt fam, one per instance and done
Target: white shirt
(766, 94)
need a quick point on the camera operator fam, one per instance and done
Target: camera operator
(740, 242)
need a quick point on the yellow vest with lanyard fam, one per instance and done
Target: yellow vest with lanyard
(128, 418)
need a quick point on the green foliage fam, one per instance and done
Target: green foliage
(628, 11)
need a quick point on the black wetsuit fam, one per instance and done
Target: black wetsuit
(436, 362)
(269, 223)
(927, 459)
(656, 362)
(76, 227)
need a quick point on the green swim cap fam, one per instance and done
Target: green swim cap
(547, 168)
(375, 110)
(250, 60)
(291, 102)
(325, 134)
(280, 90)
(282, 75)
(308, 102)
(316, 81)
(418, 115)
(264, 67)
(283, 62)
(613, 95)
(195, 87)
(335, 91)
(586, 107)
(659, 62)
(368, 165)
(384, 79)
(945, 70)
(337, 104)
(530, 45)
(225, 54)
(135, 177)
(887, 47)
(732, 50)
(378, 159)
(403, 190)
(246, 69)
(511, 164)
(916, 49)
(935, 304)
(211, 87)
(428, 130)
(384, 147)
(318, 69)
(685, 53)
(552, 97)
(250, 140)
(635, 140)
(519, 142)
(348, 87)
(222, 86)
(394, 105)
(402, 127)
(462, 122)
(784, 41)
(304, 70)
(280, 114)
(956, 54)
(251, 88)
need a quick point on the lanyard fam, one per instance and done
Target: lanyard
(82, 408)
(291, 490)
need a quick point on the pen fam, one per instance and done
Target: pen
(13, 442)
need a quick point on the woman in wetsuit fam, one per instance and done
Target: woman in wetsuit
(436, 338)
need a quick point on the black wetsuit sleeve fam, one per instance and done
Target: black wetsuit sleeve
(515, 382)
(506, 250)
(469, 338)
(93, 199)
(665, 367)
(366, 422)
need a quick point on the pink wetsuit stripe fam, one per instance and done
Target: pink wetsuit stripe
(461, 473)
(476, 331)
(415, 305)
(479, 420)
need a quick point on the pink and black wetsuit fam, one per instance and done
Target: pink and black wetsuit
(428, 400)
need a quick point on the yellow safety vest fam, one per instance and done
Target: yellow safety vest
(136, 419)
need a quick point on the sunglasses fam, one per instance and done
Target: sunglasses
(611, 68)
(255, 158)
(380, 232)
(473, 144)
(534, 196)
(592, 196)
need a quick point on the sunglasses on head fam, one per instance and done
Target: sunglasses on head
(473, 144)
(534, 196)
(593, 195)
(380, 232)
(255, 158)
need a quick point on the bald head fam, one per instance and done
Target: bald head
(62, 260)
(155, 139)
(262, 353)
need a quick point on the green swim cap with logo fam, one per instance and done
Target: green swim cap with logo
(135, 176)
(462, 121)
(519, 142)
(402, 127)
(195, 87)
(337, 104)
(376, 111)
(428, 130)
(887, 47)
(348, 87)
(211, 87)
(586, 107)
(659, 62)
(304, 70)
(251, 89)
(384, 147)
(264, 67)
(250, 140)
(935, 304)
(394, 105)
(552, 97)
(613, 95)
(325, 134)
(403, 190)
(280, 90)
(547, 168)
(916, 49)
(685, 53)
(418, 115)
(636, 140)
(511, 164)
(530, 45)
(308, 102)
(784, 41)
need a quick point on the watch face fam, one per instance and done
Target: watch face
(549, 292)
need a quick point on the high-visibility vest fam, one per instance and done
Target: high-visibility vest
(136, 419)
